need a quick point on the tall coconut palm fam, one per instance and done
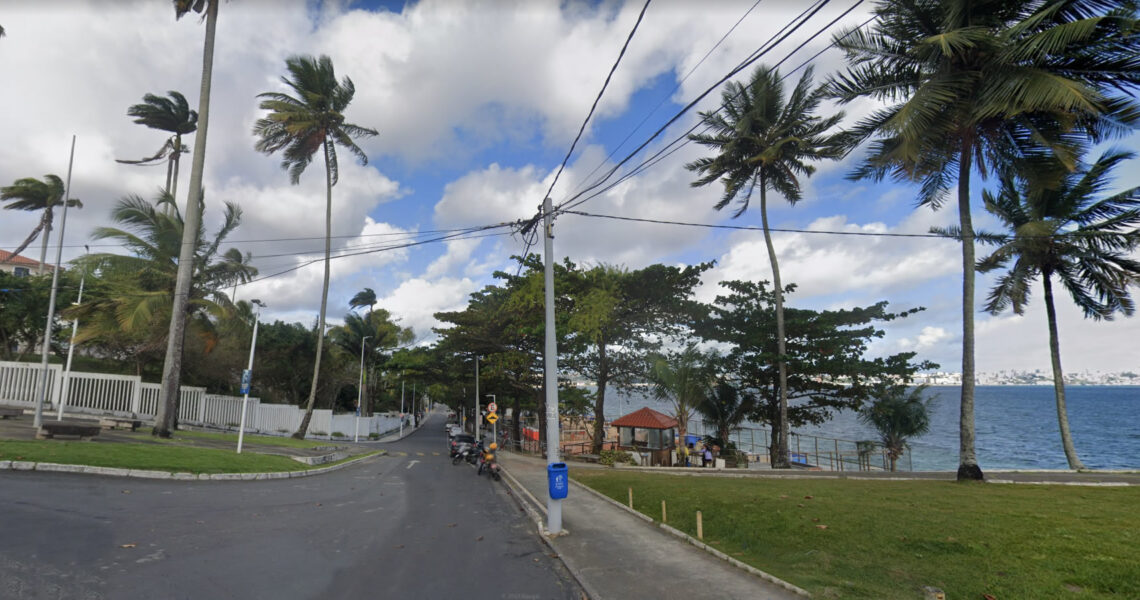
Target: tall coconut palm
(173, 115)
(763, 142)
(897, 415)
(165, 420)
(365, 297)
(1070, 232)
(969, 85)
(300, 126)
(33, 194)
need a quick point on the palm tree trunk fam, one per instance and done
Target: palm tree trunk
(164, 420)
(304, 428)
(169, 172)
(174, 180)
(968, 468)
(31, 238)
(45, 226)
(780, 460)
(1059, 377)
(600, 399)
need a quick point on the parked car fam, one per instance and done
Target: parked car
(454, 430)
(458, 442)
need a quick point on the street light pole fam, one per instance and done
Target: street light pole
(478, 420)
(495, 425)
(360, 389)
(401, 405)
(71, 348)
(247, 384)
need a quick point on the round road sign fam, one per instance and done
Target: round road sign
(492, 407)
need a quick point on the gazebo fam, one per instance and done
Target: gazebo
(648, 433)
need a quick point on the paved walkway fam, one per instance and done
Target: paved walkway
(618, 556)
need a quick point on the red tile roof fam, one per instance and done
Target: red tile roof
(646, 418)
(15, 259)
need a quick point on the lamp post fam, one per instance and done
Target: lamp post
(360, 389)
(247, 377)
(478, 417)
(495, 425)
(401, 404)
(71, 347)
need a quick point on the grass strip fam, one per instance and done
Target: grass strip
(250, 438)
(155, 457)
(888, 539)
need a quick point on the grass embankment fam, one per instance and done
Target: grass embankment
(155, 457)
(887, 539)
(254, 439)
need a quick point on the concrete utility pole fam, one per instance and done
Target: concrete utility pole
(360, 389)
(245, 385)
(71, 348)
(401, 405)
(39, 418)
(553, 506)
(478, 419)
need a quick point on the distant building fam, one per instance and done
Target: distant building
(21, 266)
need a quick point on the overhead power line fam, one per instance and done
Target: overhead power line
(753, 228)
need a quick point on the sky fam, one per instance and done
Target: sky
(476, 104)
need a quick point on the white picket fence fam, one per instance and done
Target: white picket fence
(129, 396)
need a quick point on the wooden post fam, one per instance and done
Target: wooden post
(838, 458)
(700, 527)
(662, 511)
(816, 449)
(631, 497)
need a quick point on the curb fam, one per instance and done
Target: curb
(699, 544)
(16, 465)
(536, 512)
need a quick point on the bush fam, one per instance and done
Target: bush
(374, 436)
(337, 434)
(611, 457)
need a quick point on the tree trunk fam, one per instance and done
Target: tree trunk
(174, 179)
(600, 399)
(968, 468)
(1059, 376)
(300, 434)
(780, 438)
(31, 238)
(169, 173)
(516, 420)
(164, 420)
(45, 223)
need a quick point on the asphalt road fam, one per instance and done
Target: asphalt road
(408, 525)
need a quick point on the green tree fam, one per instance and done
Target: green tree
(898, 415)
(131, 295)
(971, 85)
(1071, 232)
(300, 126)
(22, 314)
(365, 297)
(726, 406)
(764, 140)
(166, 418)
(31, 194)
(371, 336)
(829, 369)
(172, 115)
(621, 317)
(683, 379)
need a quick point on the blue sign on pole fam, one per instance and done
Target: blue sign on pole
(246, 377)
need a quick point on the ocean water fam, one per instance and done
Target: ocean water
(1016, 427)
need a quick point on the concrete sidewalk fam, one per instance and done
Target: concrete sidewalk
(616, 555)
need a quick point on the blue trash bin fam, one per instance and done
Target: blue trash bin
(559, 479)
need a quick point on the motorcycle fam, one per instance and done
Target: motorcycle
(464, 452)
(488, 464)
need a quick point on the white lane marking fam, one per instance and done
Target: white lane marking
(410, 463)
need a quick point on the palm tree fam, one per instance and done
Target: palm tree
(314, 120)
(1065, 231)
(763, 142)
(681, 378)
(165, 114)
(365, 297)
(970, 85)
(134, 293)
(726, 406)
(898, 414)
(32, 194)
(165, 420)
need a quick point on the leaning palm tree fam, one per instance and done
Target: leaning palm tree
(1066, 231)
(300, 126)
(164, 421)
(764, 141)
(971, 85)
(897, 415)
(172, 115)
(33, 194)
(365, 297)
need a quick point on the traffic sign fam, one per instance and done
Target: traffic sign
(491, 418)
(246, 379)
(492, 407)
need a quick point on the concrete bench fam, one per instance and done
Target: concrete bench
(10, 411)
(119, 423)
(50, 429)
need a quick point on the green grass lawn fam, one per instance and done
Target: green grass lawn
(265, 440)
(887, 539)
(157, 457)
